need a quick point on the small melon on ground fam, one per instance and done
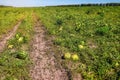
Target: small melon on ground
(17, 36)
(81, 46)
(20, 39)
(75, 57)
(22, 55)
(67, 55)
(10, 46)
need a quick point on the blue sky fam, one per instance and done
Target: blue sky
(24, 3)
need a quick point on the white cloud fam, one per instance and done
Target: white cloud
(18, 2)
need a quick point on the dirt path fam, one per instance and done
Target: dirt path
(7, 37)
(45, 66)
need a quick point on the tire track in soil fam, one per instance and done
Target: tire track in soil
(6, 37)
(45, 66)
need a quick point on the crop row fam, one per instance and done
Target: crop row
(14, 60)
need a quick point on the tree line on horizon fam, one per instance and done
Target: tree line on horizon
(77, 5)
(4, 6)
(90, 4)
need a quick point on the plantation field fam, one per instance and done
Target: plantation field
(88, 40)
(9, 18)
(91, 32)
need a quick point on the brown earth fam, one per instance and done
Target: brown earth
(7, 36)
(45, 65)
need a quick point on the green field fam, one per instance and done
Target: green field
(93, 33)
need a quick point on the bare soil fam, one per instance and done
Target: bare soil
(6, 37)
(45, 65)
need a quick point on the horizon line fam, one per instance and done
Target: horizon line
(59, 4)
